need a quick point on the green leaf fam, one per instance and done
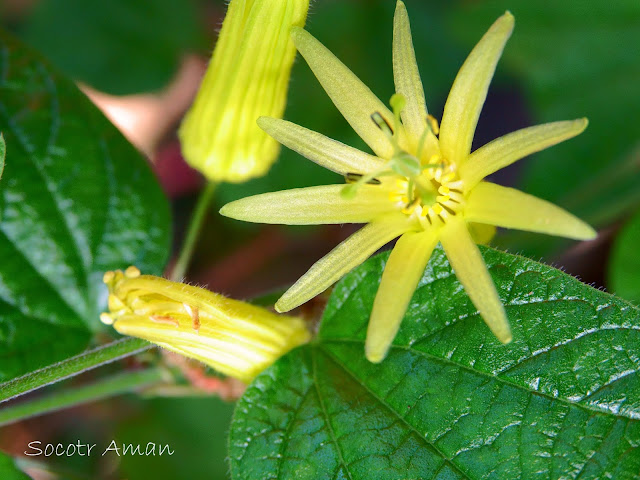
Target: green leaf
(119, 46)
(561, 401)
(8, 471)
(573, 61)
(624, 265)
(76, 199)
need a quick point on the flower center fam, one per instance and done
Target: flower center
(432, 196)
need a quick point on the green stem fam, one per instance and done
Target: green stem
(104, 388)
(195, 225)
(71, 367)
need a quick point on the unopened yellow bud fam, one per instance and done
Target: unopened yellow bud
(247, 78)
(235, 338)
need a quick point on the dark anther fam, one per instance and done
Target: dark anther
(382, 123)
(354, 177)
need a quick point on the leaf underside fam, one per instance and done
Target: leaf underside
(561, 401)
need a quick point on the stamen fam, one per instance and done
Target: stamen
(382, 124)
(433, 124)
(354, 177)
(194, 313)
(397, 102)
(131, 272)
(164, 320)
(105, 317)
(349, 191)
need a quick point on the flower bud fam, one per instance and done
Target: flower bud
(247, 78)
(235, 338)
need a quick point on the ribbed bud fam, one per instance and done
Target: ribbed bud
(235, 338)
(247, 78)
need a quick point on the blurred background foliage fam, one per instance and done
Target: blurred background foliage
(565, 60)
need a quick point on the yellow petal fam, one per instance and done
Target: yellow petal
(322, 150)
(342, 259)
(469, 91)
(401, 275)
(511, 208)
(312, 206)
(469, 267)
(505, 150)
(352, 97)
(406, 75)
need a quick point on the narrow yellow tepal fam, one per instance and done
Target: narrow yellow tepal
(247, 77)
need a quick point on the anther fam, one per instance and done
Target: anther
(194, 313)
(354, 177)
(131, 272)
(165, 320)
(433, 124)
(382, 124)
(106, 318)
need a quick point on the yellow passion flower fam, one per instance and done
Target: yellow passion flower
(422, 184)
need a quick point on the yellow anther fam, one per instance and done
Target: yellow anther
(448, 177)
(105, 317)
(437, 209)
(444, 190)
(131, 272)
(108, 276)
(433, 124)
(115, 304)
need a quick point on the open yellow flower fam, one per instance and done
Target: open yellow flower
(420, 187)
(235, 338)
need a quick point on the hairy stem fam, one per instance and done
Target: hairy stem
(100, 389)
(72, 366)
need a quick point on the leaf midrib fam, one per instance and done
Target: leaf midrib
(447, 460)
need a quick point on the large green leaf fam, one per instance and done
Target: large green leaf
(8, 471)
(561, 401)
(76, 199)
(117, 46)
(624, 265)
(574, 59)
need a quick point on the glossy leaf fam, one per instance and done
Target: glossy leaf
(76, 199)
(624, 264)
(450, 402)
